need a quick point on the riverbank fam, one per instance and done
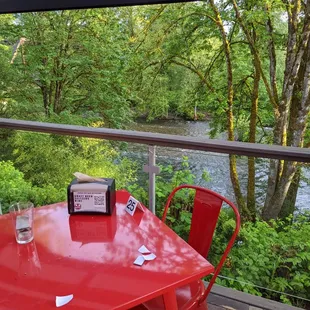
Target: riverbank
(200, 117)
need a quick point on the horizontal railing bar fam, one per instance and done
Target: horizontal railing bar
(183, 142)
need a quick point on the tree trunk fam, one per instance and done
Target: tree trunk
(195, 112)
(277, 199)
(57, 97)
(251, 201)
(45, 99)
(230, 120)
(288, 206)
(297, 125)
(295, 104)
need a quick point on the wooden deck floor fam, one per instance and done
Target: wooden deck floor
(222, 298)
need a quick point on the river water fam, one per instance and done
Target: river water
(217, 165)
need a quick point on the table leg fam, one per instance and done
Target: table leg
(170, 300)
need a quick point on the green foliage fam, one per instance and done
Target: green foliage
(242, 128)
(175, 178)
(71, 61)
(51, 160)
(46, 163)
(179, 213)
(166, 181)
(14, 187)
(153, 60)
(275, 256)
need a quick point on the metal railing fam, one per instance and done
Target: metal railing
(154, 139)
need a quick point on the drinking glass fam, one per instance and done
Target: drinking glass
(22, 217)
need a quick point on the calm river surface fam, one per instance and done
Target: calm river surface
(217, 165)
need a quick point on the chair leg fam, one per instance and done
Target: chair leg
(170, 301)
(203, 306)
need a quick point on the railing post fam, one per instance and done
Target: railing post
(152, 169)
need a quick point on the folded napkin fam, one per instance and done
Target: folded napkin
(81, 177)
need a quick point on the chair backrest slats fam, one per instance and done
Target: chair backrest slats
(206, 211)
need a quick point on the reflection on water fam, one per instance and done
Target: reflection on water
(216, 164)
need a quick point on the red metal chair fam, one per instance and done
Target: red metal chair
(206, 210)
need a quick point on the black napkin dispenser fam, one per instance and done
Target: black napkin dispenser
(96, 197)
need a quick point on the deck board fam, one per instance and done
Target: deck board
(223, 298)
(228, 299)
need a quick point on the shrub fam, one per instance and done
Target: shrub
(48, 160)
(13, 186)
(274, 256)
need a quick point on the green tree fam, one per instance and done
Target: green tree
(72, 61)
(292, 105)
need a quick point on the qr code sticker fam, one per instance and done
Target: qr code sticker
(99, 200)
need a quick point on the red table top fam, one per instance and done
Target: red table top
(92, 258)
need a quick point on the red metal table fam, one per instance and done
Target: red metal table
(92, 258)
